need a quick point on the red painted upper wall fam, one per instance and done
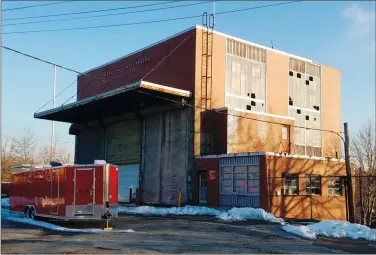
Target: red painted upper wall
(177, 70)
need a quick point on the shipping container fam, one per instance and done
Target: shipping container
(72, 192)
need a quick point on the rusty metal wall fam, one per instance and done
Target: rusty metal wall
(165, 157)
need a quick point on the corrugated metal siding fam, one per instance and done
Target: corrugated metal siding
(239, 200)
(239, 161)
(165, 155)
(89, 145)
(123, 142)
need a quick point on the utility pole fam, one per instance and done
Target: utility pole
(350, 197)
(53, 123)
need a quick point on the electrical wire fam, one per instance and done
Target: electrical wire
(57, 95)
(32, 6)
(85, 12)
(106, 15)
(146, 22)
(171, 100)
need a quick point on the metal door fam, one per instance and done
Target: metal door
(55, 185)
(203, 187)
(84, 191)
(128, 182)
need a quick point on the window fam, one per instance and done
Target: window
(284, 133)
(256, 72)
(307, 82)
(290, 184)
(253, 179)
(226, 177)
(313, 185)
(240, 179)
(307, 117)
(253, 95)
(299, 75)
(248, 107)
(291, 73)
(253, 103)
(335, 186)
(298, 111)
(310, 78)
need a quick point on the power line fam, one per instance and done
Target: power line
(32, 6)
(106, 15)
(84, 12)
(147, 22)
(174, 101)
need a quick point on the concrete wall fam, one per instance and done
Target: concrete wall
(331, 110)
(303, 206)
(151, 64)
(165, 157)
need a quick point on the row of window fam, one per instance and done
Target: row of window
(240, 179)
(246, 51)
(290, 185)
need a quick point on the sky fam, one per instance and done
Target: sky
(339, 34)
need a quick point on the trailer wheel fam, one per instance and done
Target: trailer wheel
(27, 214)
(32, 213)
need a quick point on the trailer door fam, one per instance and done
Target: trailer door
(84, 191)
(54, 208)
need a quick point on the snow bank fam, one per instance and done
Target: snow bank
(186, 210)
(249, 214)
(230, 215)
(5, 203)
(333, 228)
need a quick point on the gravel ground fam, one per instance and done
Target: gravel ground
(171, 235)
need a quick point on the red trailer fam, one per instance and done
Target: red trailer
(65, 192)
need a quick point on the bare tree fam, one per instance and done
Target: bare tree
(7, 158)
(58, 153)
(25, 147)
(363, 150)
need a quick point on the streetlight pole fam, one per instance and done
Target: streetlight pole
(350, 196)
(53, 123)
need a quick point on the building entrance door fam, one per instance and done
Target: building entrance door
(203, 187)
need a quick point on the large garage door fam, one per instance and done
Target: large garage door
(90, 146)
(123, 149)
(123, 142)
(128, 177)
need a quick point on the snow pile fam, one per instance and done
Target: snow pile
(230, 215)
(186, 210)
(5, 203)
(333, 228)
(249, 214)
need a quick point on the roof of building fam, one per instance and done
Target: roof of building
(200, 27)
(104, 104)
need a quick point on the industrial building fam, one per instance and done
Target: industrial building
(227, 121)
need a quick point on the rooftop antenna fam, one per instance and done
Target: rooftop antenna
(272, 44)
(213, 12)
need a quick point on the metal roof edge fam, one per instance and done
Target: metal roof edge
(87, 100)
(258, 45)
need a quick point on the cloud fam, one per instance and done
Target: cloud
(362, 21)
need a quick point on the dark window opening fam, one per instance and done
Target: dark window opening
(307, 82)
(299, 75)
(310, 78)
(290, 184)
(290, 102)
(318, 108)
(291, 73)
(314, 119)
(253, 103)
(298, 111)
(247, 94)
(248, 107)
(253, 95)
(307, 117)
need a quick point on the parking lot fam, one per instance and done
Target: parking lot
(172, 234)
